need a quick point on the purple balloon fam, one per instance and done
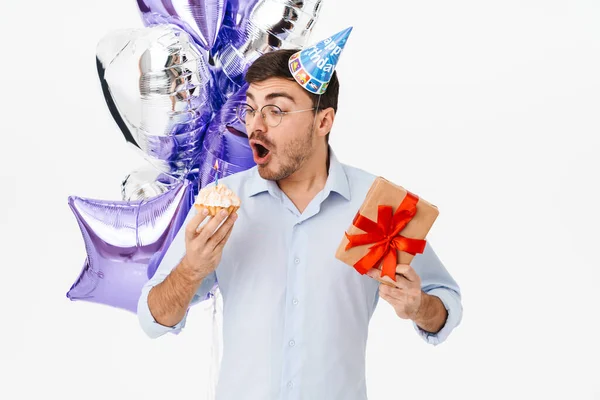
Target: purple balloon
(200, 18)
(226, 142)
(182, 146)
(230, 147)
(226, 136)
(121, 239)
(206, 171)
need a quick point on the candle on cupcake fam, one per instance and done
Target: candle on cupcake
(216, 167)
(218, 197)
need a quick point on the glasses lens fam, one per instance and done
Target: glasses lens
(273, 115)
(244, 112)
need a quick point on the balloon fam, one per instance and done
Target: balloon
(206, 171)
(226, 142)
(156, 84)
(254, 27)
(226, 134)
(173, 154)
(313, 67)
(202, 19)
(230, 147)
(121, 238)
(145, 183)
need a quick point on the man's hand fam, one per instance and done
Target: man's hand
(406, 296)
(409, 301)
(169, 300)
(204, 246)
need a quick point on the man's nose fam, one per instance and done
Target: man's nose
(257, 123)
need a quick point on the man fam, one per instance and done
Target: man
(295, 319)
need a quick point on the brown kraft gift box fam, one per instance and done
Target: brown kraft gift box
(386, 193)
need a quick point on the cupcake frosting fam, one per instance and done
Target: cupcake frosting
(218, 196)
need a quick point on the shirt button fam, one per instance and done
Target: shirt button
(292, 343)
(290, 385)
(295, 302)
(297, 261)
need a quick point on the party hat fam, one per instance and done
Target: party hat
(313, 67)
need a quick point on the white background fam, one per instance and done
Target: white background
(488, 109)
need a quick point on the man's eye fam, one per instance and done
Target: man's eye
(276, 112)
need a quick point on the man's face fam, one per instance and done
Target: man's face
(282, 150)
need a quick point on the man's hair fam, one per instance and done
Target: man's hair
(274, 64)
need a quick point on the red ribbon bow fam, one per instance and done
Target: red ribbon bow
(385, 237)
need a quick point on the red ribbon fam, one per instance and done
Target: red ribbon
(385, 237)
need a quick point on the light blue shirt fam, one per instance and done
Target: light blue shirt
(295, 319)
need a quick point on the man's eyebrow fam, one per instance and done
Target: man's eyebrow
(272, 96)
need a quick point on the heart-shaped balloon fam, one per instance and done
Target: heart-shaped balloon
(156, 84)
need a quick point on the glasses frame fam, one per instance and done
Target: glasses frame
(264, 117)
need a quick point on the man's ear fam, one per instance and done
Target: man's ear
(327, 117)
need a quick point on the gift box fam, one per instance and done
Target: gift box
(389, 229)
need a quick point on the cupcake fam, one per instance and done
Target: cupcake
(216, 198)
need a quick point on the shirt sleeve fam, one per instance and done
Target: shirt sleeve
(436, 281)
(172, 257)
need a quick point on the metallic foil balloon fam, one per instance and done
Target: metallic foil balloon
(156, 84)
(254, 27)
(207, 171)
(121, 238)
(289, 20)
(202, 19)
(231, 148)
(145, 183)
(225, 142)
(226, 135)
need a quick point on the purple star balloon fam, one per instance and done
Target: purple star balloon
(121, 239)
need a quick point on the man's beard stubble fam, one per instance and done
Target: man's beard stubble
(290, 159)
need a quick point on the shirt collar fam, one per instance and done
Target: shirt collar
(337, 181)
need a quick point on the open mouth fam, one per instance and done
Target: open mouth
(260, 152)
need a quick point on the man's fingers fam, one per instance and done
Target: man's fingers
(395, 302)
(402, 282)
(376, 274)
(390, 292)
(219, 246)
(403, 271)
(209, 229)
(191, 228)
(407, 271)
(223, 231)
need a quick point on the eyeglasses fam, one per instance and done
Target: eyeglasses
(271, 114)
